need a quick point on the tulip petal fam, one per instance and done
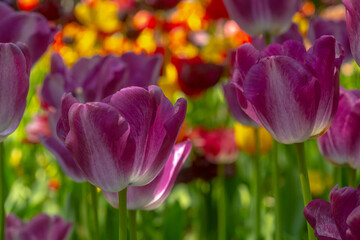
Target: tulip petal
(97, 138)
(262, 16)
(235, 101)
(54, 83)
(246, 56)
(318, 214)
(143, 70)
(29, 28)
(327, 75)
(353, 221)
(353, 27)
(283, 97)
(343, 201)
(63, 157)
(153, 194)
(14, 82)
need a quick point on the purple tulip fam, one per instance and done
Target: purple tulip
(341, 143)
(338, 219)
(125, 140)
(353, 26)
(258, 17)
(91, 80)
(41, 227)
(14, 81)
(154, 194)
(292, 93)
(29, 28)
(319, 27)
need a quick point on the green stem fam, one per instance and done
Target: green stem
(275, 171)
(122, 215)
(352, 177)
(257, 173)
(221, 203)
(132, 221)
(304, 180)
(267, 37)
(94, 202)
(2, 192)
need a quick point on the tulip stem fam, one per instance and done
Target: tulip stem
(275, 171)
(257, 173)
(304, 180)
(2, 192)
(352, 177)
(221, 203)
(132, 222)
(122, 215)
(94, 202)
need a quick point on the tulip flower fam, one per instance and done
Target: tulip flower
(258, 17)
(319, 27)
(195, 76)
(152, 195)
(29, 28)
(91, 80)
(290, 92)
(353, 26)
(14, 81)
(341, 143)
(123, 141)
(337, 219)
(41, 227)
(219, 145)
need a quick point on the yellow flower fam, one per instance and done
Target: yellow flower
(245, 139)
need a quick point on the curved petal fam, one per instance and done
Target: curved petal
(63, 157)
(320, 61)
(97, 139)
(340, 144)
(318, 214)
(246, 56)
(261, 16)
(343, 201)
(353, 27)
(235, 105)
(54, 83)
(353, 221)
(284, 96)
(104, 79)
(153, 194)
(143, 70)
(14, 86)
(29, 28)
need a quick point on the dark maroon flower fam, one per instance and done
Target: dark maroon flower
(162, 4)
(195, 76)
(338, 219)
